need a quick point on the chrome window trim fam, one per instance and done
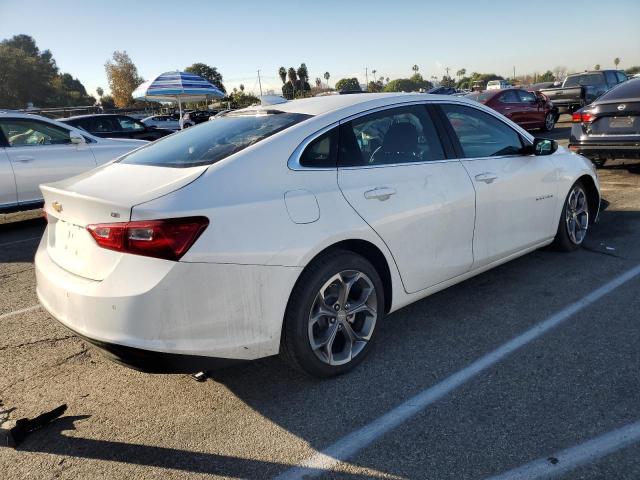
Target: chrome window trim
(293, 163)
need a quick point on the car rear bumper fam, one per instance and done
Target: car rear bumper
(607, 150)
(156, 315)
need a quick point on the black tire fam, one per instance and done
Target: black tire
(563, 241)
(549, 122)
(296, 346)
(599, 163)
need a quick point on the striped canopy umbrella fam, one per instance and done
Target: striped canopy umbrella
(177, 87)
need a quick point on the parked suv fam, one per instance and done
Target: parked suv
(116, 126)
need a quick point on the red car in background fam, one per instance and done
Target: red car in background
(528, 109)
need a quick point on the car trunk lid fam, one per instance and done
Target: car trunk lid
(103, 195)
(617, 118)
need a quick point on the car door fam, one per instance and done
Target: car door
(508, 104)
(42, 152)
(533, 110)
(392, 169)
(8, 195)
(516, 193)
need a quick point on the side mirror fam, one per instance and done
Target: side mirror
(544, 146)
(76, 138)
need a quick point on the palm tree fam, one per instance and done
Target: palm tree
(327, 76)
(616, 61)
(386, 80)
(460, 73)
(293, 78)
(283, 74)
(318, 82)
(242, 87)
(100, 91)
(374, 74)
(415, 69)
(597, 67)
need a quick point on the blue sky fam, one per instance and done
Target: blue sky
(340, 37)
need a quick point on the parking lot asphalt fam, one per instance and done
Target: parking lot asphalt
(574, 383)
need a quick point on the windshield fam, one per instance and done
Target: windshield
(212, 141)
(588, 79)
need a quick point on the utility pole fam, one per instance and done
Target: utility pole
(447, 70)
(259, 82)
(366, 77)
(514, 72)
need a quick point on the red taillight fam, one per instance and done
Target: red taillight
(583, 117)
(169, 239)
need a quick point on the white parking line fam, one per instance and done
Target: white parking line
(20, 241)
(348, 446)
(573, 457)
(18, 312)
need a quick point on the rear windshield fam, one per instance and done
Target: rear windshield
(480, 96)
(627, 90)
(588, 79)
(213, 140)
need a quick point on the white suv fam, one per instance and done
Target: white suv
(497, 85)
(35, 150)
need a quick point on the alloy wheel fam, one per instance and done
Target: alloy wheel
(549, 121)
(343, 317)
(577, 216)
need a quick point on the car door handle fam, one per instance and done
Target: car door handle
(24, 159)
(380, 193)
(486, 177)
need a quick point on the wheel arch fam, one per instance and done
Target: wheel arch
(593, 196)
(371, 253)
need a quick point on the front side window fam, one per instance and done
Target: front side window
(28, 133)
(392, 136)
(481, 134)
(526, 97)
(321, 152)
(129, 124)
(212, 141)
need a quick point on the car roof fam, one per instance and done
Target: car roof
(333, 103)
(92, 115)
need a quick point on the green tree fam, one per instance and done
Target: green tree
(123, 78)
(100, 92)
(461, 73)
(633, 70)
(546, 77)
(318, 82)
(415, 69)
(107, 102)
(616, 61)
(242, 87)
(26, 73)
(447, 81)
(210, 74)
(375, 86)
(597, 66)
(348, 85)
(282, 72)
(327, 76)
(69, 92)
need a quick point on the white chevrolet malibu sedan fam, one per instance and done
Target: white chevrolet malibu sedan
(295, 228)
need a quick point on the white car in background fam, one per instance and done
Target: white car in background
(296, 227)
(168, 122)
(497, 85)
(35, 150)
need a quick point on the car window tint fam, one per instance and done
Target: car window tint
(102, 125)
(509, 97)
(621, 77)
(322, 152)
(526, 97)
(129, 124)
(481, 134)
(27, 133)
(626, 90)
(212, 141)
(396, 135)
(587, 79)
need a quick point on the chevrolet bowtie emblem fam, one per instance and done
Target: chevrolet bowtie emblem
(57, 206)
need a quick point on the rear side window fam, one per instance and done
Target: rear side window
(392, 136)
(611, 78)
(510, 96)
(322, 152)
(212, 141)
(102, 125)
(621, 77)
(526, 97)
(480, 134)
